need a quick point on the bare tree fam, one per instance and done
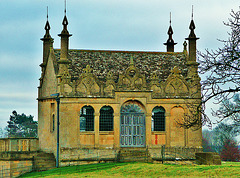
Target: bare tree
(220, 71)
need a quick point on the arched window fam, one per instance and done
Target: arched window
(87, 118)
(106, 119)
(158, 119)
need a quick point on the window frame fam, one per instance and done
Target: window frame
(106, 120)
(158, 119)
(88, 115)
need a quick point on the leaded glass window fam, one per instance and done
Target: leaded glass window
(87, 118)
(158, 119)
(106, 119)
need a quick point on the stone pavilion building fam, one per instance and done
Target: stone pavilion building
(112, 100)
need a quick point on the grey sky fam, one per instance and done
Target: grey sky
(95, 24)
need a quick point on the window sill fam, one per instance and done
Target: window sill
(159, 132)
(106, 133)
(87, 132)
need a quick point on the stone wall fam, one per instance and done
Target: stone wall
(173, 153)
(86, 155)
(75, 156)
(72, 137)
(15, 168)
(18, 144)
(16, 155)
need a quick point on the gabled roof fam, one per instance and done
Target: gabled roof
(102, 61)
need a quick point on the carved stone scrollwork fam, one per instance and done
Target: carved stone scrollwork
(131, 80)
(195, 89)
(110, 85)
(66, 85)
(176, 85)
(88, 83)
(155, 86)
(194, 80)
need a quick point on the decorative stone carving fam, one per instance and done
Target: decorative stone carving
(194, 80)
(110, 85)
(88, 83)
(155, 86)
(65, 84)
(131, 80)
(176, 85)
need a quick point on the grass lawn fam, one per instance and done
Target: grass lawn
(228, 169)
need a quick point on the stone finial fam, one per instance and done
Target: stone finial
(47, 28)
(192, 28)
(184, 46)
(65, 21)
(192, 40)
(170, 42)
(47, 42)
(64, 43)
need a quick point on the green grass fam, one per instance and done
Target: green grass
(228, 169)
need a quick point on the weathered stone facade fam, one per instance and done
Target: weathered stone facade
(144, 93)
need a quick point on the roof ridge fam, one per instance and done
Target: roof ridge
(121, 51)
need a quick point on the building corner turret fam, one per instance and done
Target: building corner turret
(192, 64)
(47, 44)
(64, 62)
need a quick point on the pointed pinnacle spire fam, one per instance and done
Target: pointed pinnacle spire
(170, 42)
(65, 9)
(170, 30)
(192, 12)
(192, 27)
(47, 12)
(65, 21)
(170, 18)
(47, 27)
(192, 41)
(47, 43)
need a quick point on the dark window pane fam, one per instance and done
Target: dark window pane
(158, 119)
(106, 119)
(87, 119)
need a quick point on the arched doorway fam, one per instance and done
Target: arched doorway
(132, 125)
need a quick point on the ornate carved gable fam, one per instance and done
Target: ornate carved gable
(131, 79)
(66, 84)
(88, 84)
(194, 80)
(111, 72)
(155, 86)
(110, 85)
(176, 85)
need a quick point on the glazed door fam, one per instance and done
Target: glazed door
(132, 128)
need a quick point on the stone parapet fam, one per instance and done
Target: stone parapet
(19, 144)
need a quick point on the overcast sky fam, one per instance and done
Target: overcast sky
(95, 24)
